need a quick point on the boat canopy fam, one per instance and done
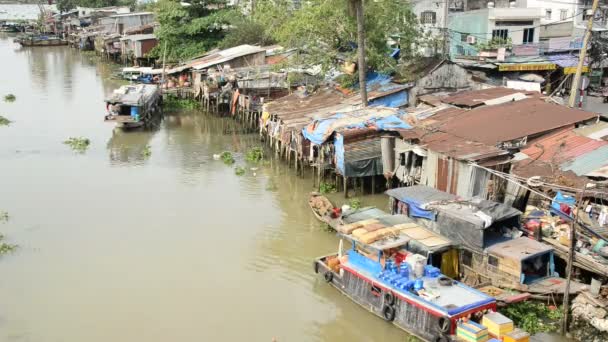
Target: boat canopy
(133, 95)
(393, 231)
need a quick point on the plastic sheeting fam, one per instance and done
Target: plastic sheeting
(395, 100)
(363, 168)
(339, 147)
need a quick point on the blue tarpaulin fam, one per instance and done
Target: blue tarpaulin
(561, 198)
(339, 146)
(394, 100)
(325, 127)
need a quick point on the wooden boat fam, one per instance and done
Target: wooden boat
(321, 207)
(381, 273)
(40, 40)
(133, 106)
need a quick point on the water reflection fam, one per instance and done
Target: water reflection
(126, 148)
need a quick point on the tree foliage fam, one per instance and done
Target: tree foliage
(326, 30)
(189, 31)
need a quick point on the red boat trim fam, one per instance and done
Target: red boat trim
(408, 300)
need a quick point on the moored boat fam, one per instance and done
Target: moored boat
(321, 207)
(133, 106)
(40, 40)
(386, 272)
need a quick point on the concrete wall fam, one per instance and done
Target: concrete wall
(117, 24)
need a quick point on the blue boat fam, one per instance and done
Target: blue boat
(393, 269)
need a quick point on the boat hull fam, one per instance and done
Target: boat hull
(412, 317)
(50, 42)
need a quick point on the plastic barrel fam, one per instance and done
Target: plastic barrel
(135, 112)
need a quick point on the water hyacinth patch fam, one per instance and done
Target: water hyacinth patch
(9, 98)
(78, 144)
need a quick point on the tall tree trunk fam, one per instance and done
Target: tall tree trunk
(361, 50)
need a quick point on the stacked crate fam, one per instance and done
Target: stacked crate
(497, 324)
(471, 332)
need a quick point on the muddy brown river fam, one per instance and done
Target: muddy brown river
(117, 246)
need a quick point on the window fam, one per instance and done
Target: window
(563, 14)
(492, 260)
(428, 17)
(514, 23)
(529, 35)
(500, 34)
(467, 258)
(548, 14)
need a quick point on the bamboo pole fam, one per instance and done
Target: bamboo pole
(570, 265)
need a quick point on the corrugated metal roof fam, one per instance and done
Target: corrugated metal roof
(135, 14)
(596, 131)
(478, 97)
(226, 55)
(561, 146)
(589, 162)
(137, 37)
(460, 148)
(495, 124)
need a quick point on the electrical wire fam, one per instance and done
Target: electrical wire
(521, 30)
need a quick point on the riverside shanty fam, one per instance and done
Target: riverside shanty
(496, 175)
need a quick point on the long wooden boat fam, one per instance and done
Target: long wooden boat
(385, 277)
(321, 207)
(133, 106)
(40, 40)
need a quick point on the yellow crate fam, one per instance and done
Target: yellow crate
(517, 335)
(497, 324)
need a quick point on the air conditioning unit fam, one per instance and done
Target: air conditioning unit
(589, 12)
(471, 39)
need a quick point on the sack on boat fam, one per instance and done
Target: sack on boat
(359, 232)
(349, 228)
(378, 234)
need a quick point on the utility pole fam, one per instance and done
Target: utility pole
(582, 55)
(446, 12)
(361, 50)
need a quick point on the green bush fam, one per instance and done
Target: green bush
(534, 317)
(326, 188)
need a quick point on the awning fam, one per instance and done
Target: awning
(567, 61)
(526, 66)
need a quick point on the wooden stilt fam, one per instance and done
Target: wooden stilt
(345, 181)
(373, 185)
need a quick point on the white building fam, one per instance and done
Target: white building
(431, 15)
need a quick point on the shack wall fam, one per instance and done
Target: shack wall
(449, 77)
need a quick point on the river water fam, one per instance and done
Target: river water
(115, 246)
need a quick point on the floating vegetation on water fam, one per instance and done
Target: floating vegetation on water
(354, 203)
(3, 216)
(227, 158)
(271, 186)
(147, 152)
(78, 144)
(326, 188)
(239, 171)
(534, 317)
(4, 121)
(174, 103)
(6, 247)
(254, 155)
(9, 98)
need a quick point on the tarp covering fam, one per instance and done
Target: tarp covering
(398, 99)
(380, 118)
(417, 197)
(466, 221)
(363, 168)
